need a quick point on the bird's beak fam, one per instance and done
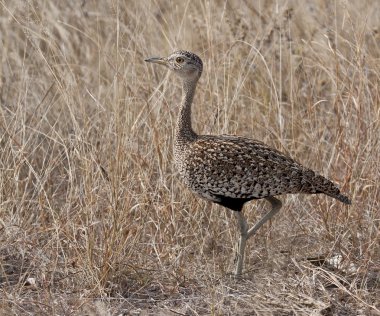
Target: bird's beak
(157, 60)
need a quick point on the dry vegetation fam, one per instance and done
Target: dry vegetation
(93, 217)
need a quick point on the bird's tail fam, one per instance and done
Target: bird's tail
(340, 197)
(329, 188)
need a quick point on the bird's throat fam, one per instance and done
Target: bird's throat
(184, 130)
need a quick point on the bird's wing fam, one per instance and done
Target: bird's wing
(240, 167)
(248, 154)
(244, 168)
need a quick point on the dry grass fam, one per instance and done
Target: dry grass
(91, 207)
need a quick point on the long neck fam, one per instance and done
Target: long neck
(184, 131)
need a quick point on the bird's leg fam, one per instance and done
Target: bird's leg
(243, 226)
(245, 233)
(276, 205)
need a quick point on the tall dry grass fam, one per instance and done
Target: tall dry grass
(94, 219)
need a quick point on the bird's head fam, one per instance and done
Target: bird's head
(185, 64)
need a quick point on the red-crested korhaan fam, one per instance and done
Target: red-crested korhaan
(232, 170)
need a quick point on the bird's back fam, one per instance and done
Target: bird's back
(232, 167)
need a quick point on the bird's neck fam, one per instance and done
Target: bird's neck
(184, 131)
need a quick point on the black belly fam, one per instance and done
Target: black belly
(234, 204)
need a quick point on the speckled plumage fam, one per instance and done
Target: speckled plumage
(232, 170)
(241, 168)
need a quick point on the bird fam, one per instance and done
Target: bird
(232, 170)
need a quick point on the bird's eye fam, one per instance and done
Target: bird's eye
(179, 60)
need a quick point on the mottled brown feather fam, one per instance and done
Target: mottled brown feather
(231, 170)
(242, 168)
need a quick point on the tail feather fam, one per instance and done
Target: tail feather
(329, 188)
(342, 198)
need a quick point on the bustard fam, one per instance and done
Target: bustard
(232, 170)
